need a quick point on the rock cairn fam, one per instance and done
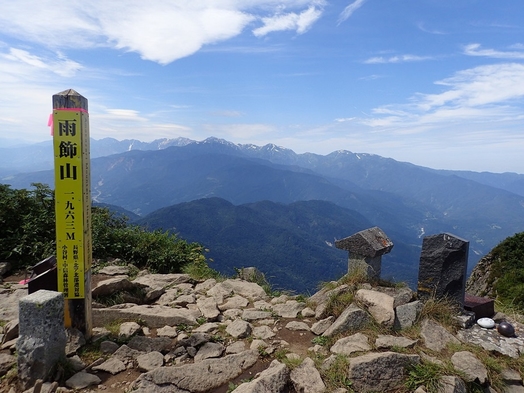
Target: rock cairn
(175, 334)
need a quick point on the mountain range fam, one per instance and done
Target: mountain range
(281, 211)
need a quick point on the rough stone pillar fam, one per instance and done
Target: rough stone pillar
(442, 269)
(365, 251)
(42, 337)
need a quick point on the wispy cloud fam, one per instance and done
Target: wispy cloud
(349, 10)
(475, 50)
(480, 93)
(396, 59)
(161, 31)
(290, 21)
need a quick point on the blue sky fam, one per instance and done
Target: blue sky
(436, 83)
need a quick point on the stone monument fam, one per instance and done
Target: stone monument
(42, 337)
(365, 251)
(442, 269)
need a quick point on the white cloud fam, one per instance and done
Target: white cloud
(478, 94)
(161, 31)
(475, 50)
(290, 21)
(396, 59)
(350, 9)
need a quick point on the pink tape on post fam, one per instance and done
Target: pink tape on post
(50, 120)
(50, 123)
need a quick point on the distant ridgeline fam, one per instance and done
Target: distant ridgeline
(282, 212)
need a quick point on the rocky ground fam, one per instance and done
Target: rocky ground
(170, 333)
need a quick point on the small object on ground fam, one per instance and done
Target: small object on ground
(506, 329)
(487, 323)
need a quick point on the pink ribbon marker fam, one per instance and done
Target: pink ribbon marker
(50, 120)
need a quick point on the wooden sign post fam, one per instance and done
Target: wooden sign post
(73, 207)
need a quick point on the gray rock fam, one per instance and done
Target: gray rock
(196, 377)
(263, 332)
(209, 350)
(76, 363)
(9, 300)
(321, 326)
(75, 340)
(322, 297)
(289, 309)
(407, 314)
(114, 270)
(128, 329)
(271, 380)
(239, 328)
(306, 378)
(388, 342)
(208, 308)
(11, 329)
(251, 314)
(82, 380)
(435, 336)
(379, 372)
(149, 361)
(472, 367)
(112, 365)
(108, 347)
(112, 285)
(297, 326)
(167, 331)
(235, 347)
(451, 384)
(206, 328)
(6, 362)
(205, 286)
(379, 305)
(493, 341)
(154, 317)
(307, 312)
(357, 342)
(352, 318)
(155, 281)
(401, 296)
(245, 289)
(148, 344)
(125, 353)
(234, 302)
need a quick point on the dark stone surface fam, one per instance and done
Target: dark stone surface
(442, 270)
(483, 307)
(370, 242)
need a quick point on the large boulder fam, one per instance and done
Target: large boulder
(379, 372)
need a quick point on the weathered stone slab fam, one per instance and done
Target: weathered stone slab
(442, 269)
(42, 339)
(379, 372)
(197, 377)
(272, 379)
(306, 378)
(407, 314)
(435, 336)
(82, 380)
(352, 318)
(154, 317)
(379, 305)
(470, 366)
(357, 342)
